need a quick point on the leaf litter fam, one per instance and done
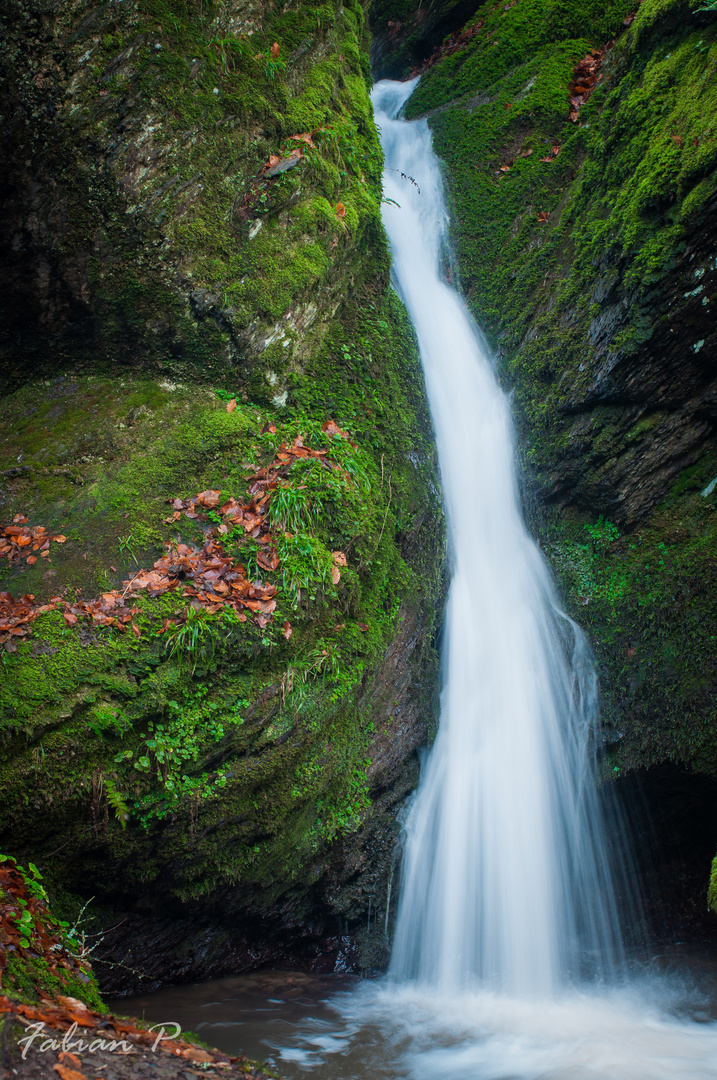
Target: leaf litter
(207, 576)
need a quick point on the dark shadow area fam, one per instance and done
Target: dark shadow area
(670, 820)
(405, 32)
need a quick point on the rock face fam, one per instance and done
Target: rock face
(195, 277)
(581, 155)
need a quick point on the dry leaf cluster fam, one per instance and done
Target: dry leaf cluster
(18, 541)
(207, 575)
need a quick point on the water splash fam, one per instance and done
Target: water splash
(506, 880)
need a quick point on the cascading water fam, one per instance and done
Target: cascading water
(506, 880)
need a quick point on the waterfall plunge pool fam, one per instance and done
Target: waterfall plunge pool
(662, 1025)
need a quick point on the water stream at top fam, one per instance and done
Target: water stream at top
(506, 881)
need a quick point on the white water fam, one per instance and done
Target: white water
(506, 881)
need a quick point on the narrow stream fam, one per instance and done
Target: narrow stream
(507, 962)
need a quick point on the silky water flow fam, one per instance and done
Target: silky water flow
(507, 962)
(506, 881)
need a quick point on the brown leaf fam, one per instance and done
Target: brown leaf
(20, 519)
(136, 631)
(362, 626)
(65, 1073)
(341, 210)
(208, 498)
(335, 575)
(288, 631)
(275, 49)
(330, 427)
(542, 217)
(67, 1056)
(231, 405)
(69, 618)
(339, 558)
(677, 140)
(525, 153)
(59, 539)
(31, 560)
(306, 137)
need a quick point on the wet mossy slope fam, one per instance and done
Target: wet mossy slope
(586, 249)
(176, 315)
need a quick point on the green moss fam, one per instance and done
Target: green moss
(645, 600)
(271, 739)
(28, 980)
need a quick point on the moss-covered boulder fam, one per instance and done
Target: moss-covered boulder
(198, 274)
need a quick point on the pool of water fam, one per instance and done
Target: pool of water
(661, 1025)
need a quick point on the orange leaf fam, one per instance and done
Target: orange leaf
(136, 631)
(31, 560)
(67, 1056)
(542, 217)
(341, 210)
(339, 558)
(59, 539)
(69, 618)
(231, 405)
(288, 631)
(305, 137)
(275, 49)
(66, 1073)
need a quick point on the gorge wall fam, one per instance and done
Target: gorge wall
(580, 147)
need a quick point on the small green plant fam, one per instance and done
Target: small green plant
(117, 802)
(125, 544)
(196, 640)
(291, 507)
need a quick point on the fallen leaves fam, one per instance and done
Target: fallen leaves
(555, 150)
(458, 40)
(18, 540)
(231, 405)
(32, 934)
(206, 575)
(586, 75)
(542, 217)
(28, 931)
(340, 210)
(275, 50)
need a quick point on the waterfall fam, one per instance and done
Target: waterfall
(505, 881)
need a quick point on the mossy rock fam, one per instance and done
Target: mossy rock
(162, 272)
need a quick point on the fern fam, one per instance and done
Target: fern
(116, 800)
